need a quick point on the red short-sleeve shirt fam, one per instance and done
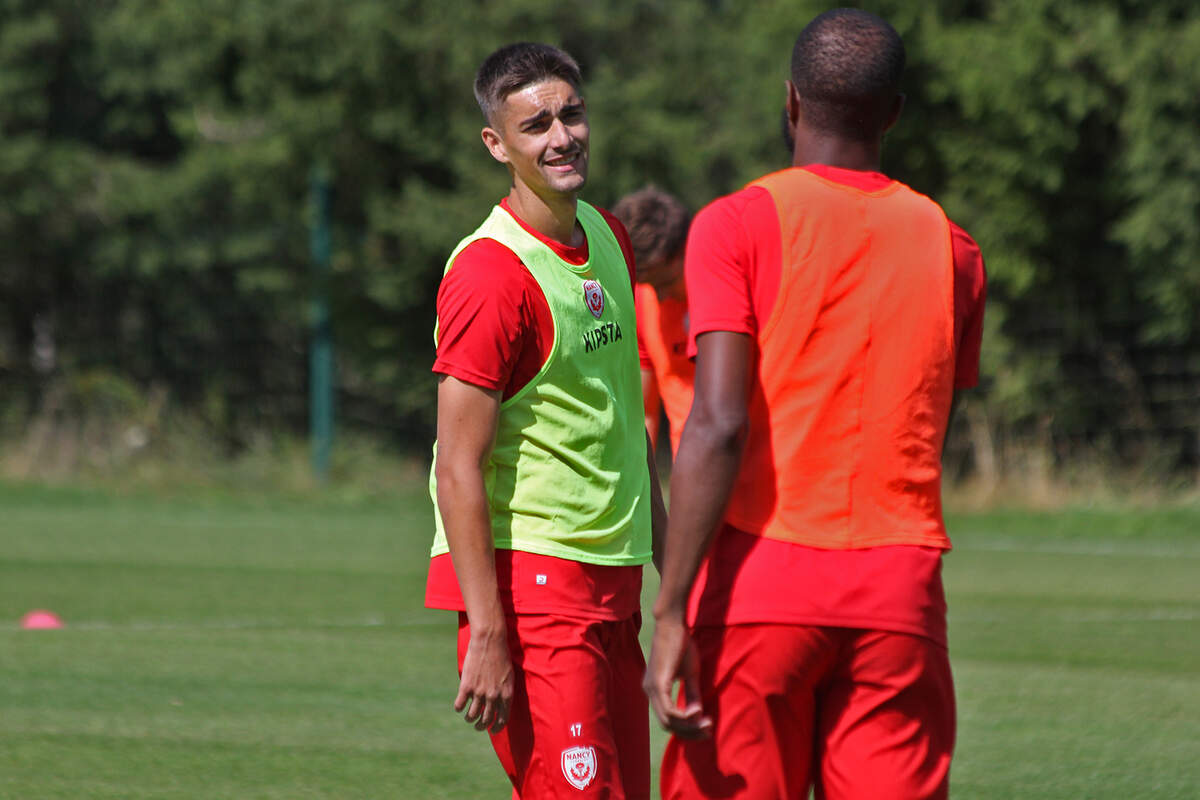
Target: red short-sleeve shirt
(662, 331)
(732, 269)
(495, 331)
(494, 325)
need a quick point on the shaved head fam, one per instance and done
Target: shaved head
(846, 68)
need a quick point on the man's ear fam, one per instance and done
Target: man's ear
(793, 108)
(494, 144)
(894, 114)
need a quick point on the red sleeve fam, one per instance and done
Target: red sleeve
(731, 265)
(495, 329)
(626, 244)
(492, 319)
(643, 297)
(970, 296)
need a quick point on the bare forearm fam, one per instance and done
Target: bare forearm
(467, 418)
(463, 504)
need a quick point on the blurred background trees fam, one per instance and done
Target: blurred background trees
(155, 164)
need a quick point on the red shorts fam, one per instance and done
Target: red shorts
(854, 714)
(580, 723)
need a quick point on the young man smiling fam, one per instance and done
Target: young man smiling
(542, 481)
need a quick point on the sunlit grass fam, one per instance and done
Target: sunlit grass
(234, 644)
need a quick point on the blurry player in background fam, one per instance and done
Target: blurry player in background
(546, 501)
(834, 313)
(658, 224)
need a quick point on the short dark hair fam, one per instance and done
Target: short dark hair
(657, 223)
(515, 66)
(846, 67)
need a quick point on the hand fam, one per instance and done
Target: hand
(673, 657)
(487, 684)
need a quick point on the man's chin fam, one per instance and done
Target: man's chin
(568, 184)
(576, 178)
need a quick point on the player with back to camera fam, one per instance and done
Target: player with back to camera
(546, 503)
(834, 314)
(658, 223)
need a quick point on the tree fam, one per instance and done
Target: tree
(155, 161)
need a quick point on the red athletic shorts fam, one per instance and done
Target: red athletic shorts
(854, 714)
(580, 723)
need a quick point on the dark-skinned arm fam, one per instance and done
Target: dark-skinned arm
(466, 428)
(710, 453)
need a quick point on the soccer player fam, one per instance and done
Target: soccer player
(542, 481)
(834, 312)
(658, 223)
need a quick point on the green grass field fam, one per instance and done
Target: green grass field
(230, 647)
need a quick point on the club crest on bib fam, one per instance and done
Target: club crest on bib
(579, 766)
(593, 295)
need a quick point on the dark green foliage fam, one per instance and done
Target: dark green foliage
(155, 162)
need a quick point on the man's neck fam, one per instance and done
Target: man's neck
(554, 218)
(836, 152)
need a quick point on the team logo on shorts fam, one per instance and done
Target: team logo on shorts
(579, 766)
(593, 295)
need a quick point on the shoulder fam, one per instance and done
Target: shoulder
(622, 237)
(738, 217)
(488, 270)
(731, 208)
(646, 301)
(618, 230)
(484, 254)
(963, 241)
(968, 258)
(612, 221)
(645, 294)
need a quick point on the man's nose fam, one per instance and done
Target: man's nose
(559, 135)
